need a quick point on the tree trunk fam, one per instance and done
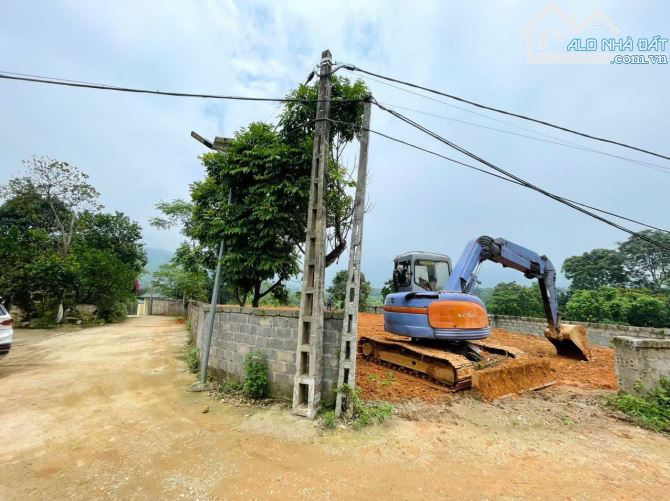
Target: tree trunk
(257, 295)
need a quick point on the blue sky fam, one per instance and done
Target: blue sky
(138, 151)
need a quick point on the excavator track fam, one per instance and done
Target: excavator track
(439, 364)
(436, 362)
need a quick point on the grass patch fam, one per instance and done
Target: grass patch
(651, 410)
(192, 360)
(329, 420)
(228, 387)
(365, 413)
(255, 375)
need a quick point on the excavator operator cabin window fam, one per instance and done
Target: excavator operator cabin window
(430, 275)
(402, 274)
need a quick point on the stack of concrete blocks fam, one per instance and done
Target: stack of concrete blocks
(641, 363)
(237, 331)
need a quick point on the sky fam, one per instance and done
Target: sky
(137, 149)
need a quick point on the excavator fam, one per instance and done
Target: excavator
(436, 327)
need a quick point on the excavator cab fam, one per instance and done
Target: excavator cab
(420, 272)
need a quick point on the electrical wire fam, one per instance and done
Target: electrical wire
(86, 85)
(656, 167)
(520, 180)
(556, 140)
(466, 110)
(504, 112)
(493, 174)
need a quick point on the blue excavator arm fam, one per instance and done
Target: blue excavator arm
(510, 255)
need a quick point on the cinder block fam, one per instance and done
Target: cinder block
(261, 341)
(277, 366)
(286, 356)
(277, 344)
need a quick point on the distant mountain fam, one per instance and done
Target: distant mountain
(155, 258)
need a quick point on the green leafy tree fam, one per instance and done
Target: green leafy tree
(173, 280)
(259, 228)
(57, 248)
(594, 269)
(189, 273)
(647, 264)
(484, 293)
(387, 288)
(109, 256)
(638, 307)
(338, 290)
(269, 169)
(64, 190)
(510, 298)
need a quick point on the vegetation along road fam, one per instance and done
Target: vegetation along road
(104, 412)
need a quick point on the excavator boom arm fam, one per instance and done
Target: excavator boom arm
(510, 255)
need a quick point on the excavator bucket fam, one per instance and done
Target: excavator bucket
(570, 341)
(514, 377)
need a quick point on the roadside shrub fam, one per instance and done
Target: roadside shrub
(192, 360)
(256, 375)
(651, 410)
(329, 420)
(365, 413)
(43, 322)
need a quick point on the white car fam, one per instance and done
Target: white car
(6, 332)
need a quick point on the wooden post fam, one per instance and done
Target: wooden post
(347, 370)
(309, 352)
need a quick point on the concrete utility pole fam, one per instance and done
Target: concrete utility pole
(219, 144)
(212, 306)
(307, 381)
(348, 340)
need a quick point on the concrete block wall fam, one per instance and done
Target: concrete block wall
(598, 334)
(237, 331)
(640, 362)
(165, 306)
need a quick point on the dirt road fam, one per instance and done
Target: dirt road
(103, 413)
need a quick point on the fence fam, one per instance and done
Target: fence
(237, 331)
(165, 306)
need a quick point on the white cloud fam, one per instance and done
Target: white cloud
(138, 150)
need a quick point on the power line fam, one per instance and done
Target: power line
(509, 113)
(519, 180)
(657, 167)
(87, 85)
(466, 110)
(556, 140)
(503, 178)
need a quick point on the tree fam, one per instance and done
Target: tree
(297, 128)
(172, 280)
(595, 269)
(638, 307)
(62, 250)
(387, 288)
(647, 264)
(510, 298)
(259, 228)
(338, 290)
(61, 187)
(109, 255)
(269, 170)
